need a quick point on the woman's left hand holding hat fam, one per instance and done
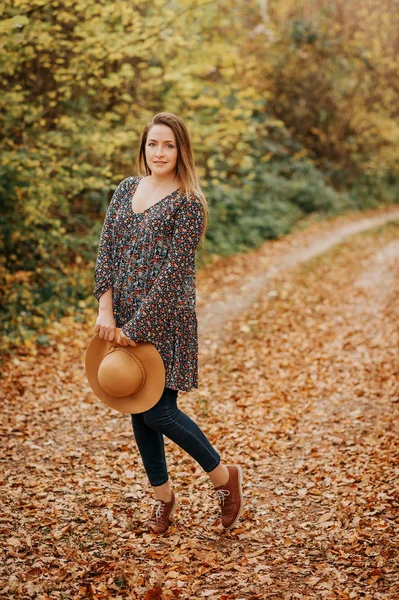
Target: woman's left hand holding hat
(124, 340)
(106, 329)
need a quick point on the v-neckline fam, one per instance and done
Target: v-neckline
(152, 206)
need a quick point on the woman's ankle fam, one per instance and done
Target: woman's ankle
(163, 492)
(219, 476)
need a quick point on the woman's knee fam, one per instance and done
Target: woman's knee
(163, 413)
(159, 418)
(156, 419)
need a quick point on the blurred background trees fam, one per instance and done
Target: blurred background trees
(292, 106)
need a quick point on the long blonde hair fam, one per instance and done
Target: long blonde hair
(185, 167)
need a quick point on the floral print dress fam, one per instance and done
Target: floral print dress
(148, 259)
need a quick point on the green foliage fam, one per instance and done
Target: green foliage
(290, 115)
(267, 205)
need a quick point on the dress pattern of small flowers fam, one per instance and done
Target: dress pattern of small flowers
(148, 259)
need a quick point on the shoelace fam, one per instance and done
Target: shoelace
(221, 495)
(159, 506)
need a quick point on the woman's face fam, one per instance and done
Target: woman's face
(161, 150)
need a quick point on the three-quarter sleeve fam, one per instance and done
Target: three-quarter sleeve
(103, 270)
(163, 298)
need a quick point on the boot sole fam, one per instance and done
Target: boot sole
(240, 480)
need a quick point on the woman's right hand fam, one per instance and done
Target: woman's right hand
(105, 325)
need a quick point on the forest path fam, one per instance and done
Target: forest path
(238, 281)
(302, 389)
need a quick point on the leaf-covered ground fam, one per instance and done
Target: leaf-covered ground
(301, 388)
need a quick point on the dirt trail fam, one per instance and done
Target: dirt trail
(298, 383)
(228, 301)
(310, 375)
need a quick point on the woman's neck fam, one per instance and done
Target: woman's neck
(160, 182)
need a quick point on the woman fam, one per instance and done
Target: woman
(145, 284)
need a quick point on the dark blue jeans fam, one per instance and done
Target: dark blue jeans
(165, 418)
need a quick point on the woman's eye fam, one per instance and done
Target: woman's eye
(153, 144)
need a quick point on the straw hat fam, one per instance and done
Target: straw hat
(130, 379)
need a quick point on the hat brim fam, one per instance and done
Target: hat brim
(154, 366)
